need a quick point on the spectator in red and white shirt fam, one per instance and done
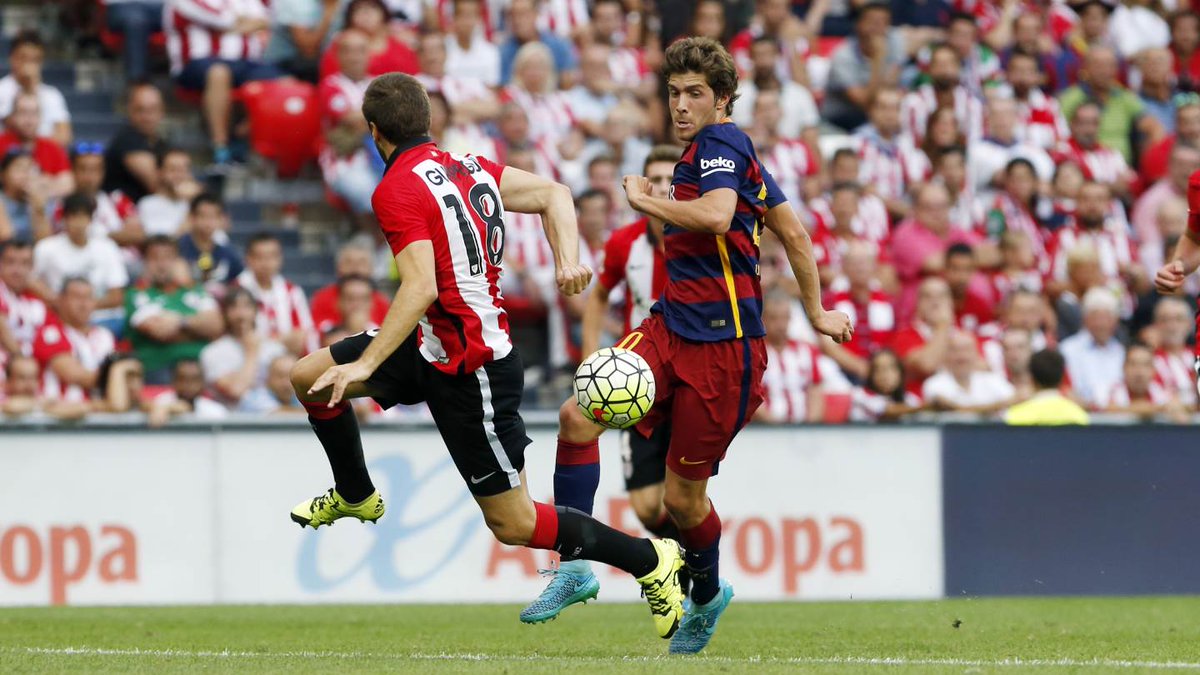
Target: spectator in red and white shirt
(596, 94)
(1138, 393)
(345, 165)
(613, 28)
(1015, 351)
(386, 51)
(980, 64)
(564, 18)
(800, 117)
(991, 154)
(871, 219)
(789, 160)
(792, 381)
(1184, 161)
(773, 19)
(944, 91)
(470, 54)
(1040, 122)
(70, 352)
(871, 312)
(961, 385)
(216, 46)
(1185, 47)
(353, 260)
(837, 229)
(966, 213)
(969, 290)
(1098, 162)
(919, 243)
(26, 56)
(470, 98)
(20, 132)
(1155, 158)
(1018, 267)
(355, 306)
(22, 312)
(883, 397)
(116, 216)
(1173, 359)
(922, 344)
(881, 167)
(283, 312)
(1013, 210)
(1091, 226)
(534, 87)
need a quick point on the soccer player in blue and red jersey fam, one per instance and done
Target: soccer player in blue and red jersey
(704, 338)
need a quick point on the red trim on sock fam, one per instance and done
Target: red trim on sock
(545, 527)
(571, 454)
(705, 534)
(663, 520)
(322, 411)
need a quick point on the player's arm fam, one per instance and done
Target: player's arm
(525, 192)
(1171, 276)
(593, 318)
(418, 290)
(786, 225)
(711, 213)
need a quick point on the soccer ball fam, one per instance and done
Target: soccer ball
(614, 388)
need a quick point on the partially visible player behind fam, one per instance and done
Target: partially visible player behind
(704, 337)
(443, 215)
(1186, 259)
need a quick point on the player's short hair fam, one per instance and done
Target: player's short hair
(205, 198)
(707, 57)
(1047, 368)
(259, 238)
(661, 153)
(398, 106)
(78, 204)
(26, 38)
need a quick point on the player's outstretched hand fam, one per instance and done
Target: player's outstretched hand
(340, 377)
(836, 325)
(636, 187)
(1170, 278)
(572, 279)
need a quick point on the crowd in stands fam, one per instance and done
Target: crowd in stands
(988, 184)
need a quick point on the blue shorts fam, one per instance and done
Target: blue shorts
(195, 72)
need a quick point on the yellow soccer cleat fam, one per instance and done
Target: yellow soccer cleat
(661, 587)
(326, 508)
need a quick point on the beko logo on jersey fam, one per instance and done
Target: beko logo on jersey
(716, 164)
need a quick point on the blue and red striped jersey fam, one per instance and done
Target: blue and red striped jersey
(713, 291)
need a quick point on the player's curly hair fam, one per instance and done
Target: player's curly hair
(707, 57)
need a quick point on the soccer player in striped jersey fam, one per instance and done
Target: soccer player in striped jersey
(704, 337)
(445, 341)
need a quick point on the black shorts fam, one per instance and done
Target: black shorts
(476, 412)
(645, 459)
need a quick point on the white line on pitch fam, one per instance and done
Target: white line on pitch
(451, 656)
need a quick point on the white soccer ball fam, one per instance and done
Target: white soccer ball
(614, 388)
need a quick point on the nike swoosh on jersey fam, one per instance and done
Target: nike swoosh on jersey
(477, 481)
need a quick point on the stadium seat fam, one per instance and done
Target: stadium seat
(285, 122)
(837, 408)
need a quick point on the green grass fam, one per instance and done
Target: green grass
(1011, 635)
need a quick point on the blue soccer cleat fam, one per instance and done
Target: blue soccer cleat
(700, 622)
(572, 582)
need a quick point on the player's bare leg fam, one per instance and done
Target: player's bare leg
(576, 479)
(353, 494)
(517, 520)
(688, 503)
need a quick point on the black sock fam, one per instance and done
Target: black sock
(582, 536)
(343, 446)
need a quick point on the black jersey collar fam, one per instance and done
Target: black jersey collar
(405, 147)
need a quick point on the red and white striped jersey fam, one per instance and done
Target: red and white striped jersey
(918, 105)
(880, 165)
(525, 245)
(739, 48)
(491, 16)
(1119, 396)
(871, 222)
(1175, 371)
(1101, 163)
(829, 247)
(1113, 247)
(90, 348)
(563, 17)
(457, 90)
(199, 29)
(1006, 215)
(111, 211)
(452, 201)
(1041, 122)
(632, 257)
(1003, 283)
(791, 162)
(549, 114)
(282, 309)
(874, 321)
(790, 373)
(25, 313)
(627, 66)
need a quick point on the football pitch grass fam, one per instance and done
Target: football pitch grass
(1085, 635)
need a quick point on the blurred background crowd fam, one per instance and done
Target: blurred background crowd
(186, 190)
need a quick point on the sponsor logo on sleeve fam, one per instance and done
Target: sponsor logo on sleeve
(710, 166)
